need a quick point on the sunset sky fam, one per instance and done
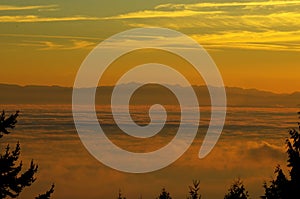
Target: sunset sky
(255, 44)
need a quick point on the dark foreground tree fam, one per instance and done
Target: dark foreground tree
(237, 191)
(194, 189)
(12, 179)
(278, 187)
(293, 151)
(164, 194)
(282, 187)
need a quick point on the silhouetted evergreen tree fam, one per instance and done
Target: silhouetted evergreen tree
(283, 188)
(237, 191)
(194, 190)
(6, 123)
(12, 180)
(47, 195)
(278, 188)
(293, 151)
(164, 194)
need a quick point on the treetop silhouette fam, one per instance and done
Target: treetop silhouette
(237, 191)
(12, 179)
(282, 187)
(6, 123)
(164, 194)
(194, 190)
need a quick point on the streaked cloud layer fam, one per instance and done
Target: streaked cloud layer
(226, 4)
(34, 7)
(162, 14)
(262, 25)
(34, 18)
(50, 45)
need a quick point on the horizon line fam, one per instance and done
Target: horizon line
(202, 85)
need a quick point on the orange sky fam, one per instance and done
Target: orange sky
(254, 47)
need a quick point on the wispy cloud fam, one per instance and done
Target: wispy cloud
(270, 25)
(146, 14)
(81, 44)
(199, 9)
(213, 23)
(260, 29)
(34, 18)
(48, 9)
(269, 40)
(35, 7)
(225, 4)
(50, 36)
(50, 45)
